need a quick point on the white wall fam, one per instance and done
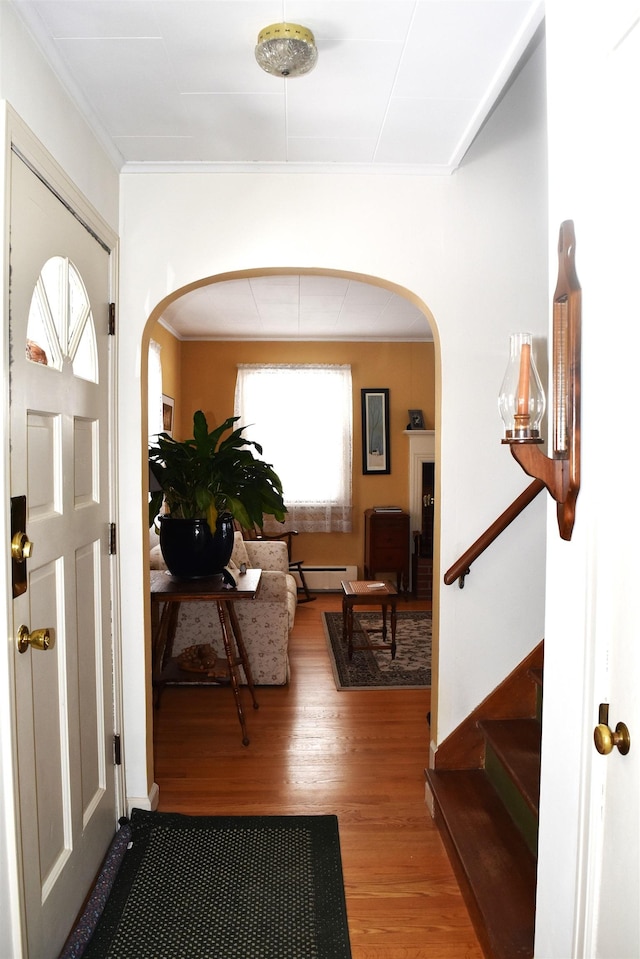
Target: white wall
(494, 282)
(473, 248)
(29, 86)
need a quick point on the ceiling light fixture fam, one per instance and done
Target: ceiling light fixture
(286, 50)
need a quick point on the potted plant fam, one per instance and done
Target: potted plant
(206, 482)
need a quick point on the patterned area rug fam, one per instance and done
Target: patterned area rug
(374, 669)
(226, 887)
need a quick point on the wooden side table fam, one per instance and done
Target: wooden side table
(362, 593)
(167, 592)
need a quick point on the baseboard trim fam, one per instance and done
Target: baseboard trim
(149, 802)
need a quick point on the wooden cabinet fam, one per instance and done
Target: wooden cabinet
(387, 545)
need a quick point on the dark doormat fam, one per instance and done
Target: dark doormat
(374, 668)
(225, 887)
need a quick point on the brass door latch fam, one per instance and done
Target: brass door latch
(605, 738)
(21, 546)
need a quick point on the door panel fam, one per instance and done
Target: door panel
(59, 459)
(43, 483)
(90, 680)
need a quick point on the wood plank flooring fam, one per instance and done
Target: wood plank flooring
(359, 755)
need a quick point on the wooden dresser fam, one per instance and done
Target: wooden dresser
(387, 545)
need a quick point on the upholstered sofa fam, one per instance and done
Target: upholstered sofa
(266, 621)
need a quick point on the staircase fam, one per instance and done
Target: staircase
(485, 788)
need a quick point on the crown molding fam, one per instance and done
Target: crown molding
(348, 169)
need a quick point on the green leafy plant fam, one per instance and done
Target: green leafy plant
(206, 475)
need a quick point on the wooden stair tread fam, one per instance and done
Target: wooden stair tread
(496, 870)
(516, 742)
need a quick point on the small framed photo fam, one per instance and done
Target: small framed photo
(376, 454)
(167, 414)
(416, 420)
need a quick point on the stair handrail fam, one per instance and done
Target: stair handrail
(462, 567)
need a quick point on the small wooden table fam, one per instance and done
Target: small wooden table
(365, 593)
(167, 592)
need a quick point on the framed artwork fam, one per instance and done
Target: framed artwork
(376, 453)
(167, 414)
(416, 420)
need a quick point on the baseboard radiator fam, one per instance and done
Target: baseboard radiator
(328, 578)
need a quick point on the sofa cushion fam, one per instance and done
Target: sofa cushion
(268, 554)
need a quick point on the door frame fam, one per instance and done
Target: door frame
(16, 137)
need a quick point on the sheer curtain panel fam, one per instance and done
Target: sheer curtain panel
(302, 417)
(154, 383)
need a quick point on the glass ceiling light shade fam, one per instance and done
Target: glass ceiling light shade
(286, 50)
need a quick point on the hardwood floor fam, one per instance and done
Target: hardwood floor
(314, 750)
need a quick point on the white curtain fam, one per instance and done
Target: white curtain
(154, 377)
(302, 417)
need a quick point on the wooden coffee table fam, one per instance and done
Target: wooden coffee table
(369, 593)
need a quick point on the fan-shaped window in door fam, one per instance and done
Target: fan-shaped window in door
(60, 325)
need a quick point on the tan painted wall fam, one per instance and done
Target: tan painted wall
(208, 375)
(171, 372)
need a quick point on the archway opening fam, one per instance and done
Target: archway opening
(370, 491)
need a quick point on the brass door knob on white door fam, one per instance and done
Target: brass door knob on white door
(38, 639)
(605, 738)
(21, 547)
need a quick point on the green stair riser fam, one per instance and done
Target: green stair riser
(523, 817)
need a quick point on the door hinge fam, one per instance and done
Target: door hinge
(117, 750)
(112, 319)
(113, 545)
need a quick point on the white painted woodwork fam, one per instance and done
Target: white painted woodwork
(64, 712)
(422, 449)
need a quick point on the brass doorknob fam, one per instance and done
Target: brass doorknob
(21, 547)
(605, 739)
(38, 639)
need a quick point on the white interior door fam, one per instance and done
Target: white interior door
(614, 855)
(59, 461)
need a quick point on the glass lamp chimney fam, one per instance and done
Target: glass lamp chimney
(521, 401)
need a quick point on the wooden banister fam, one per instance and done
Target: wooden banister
(462, 566)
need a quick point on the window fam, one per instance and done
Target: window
(60, 325)
(154, 383)
(302, 418)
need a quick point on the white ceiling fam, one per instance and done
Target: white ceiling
(291, 307)
(399, 82)
(400, 86)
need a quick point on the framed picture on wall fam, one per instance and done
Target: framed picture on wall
(167, 414)
(416, 420)
(376, 453)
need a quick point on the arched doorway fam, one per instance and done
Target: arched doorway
(194, 297)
